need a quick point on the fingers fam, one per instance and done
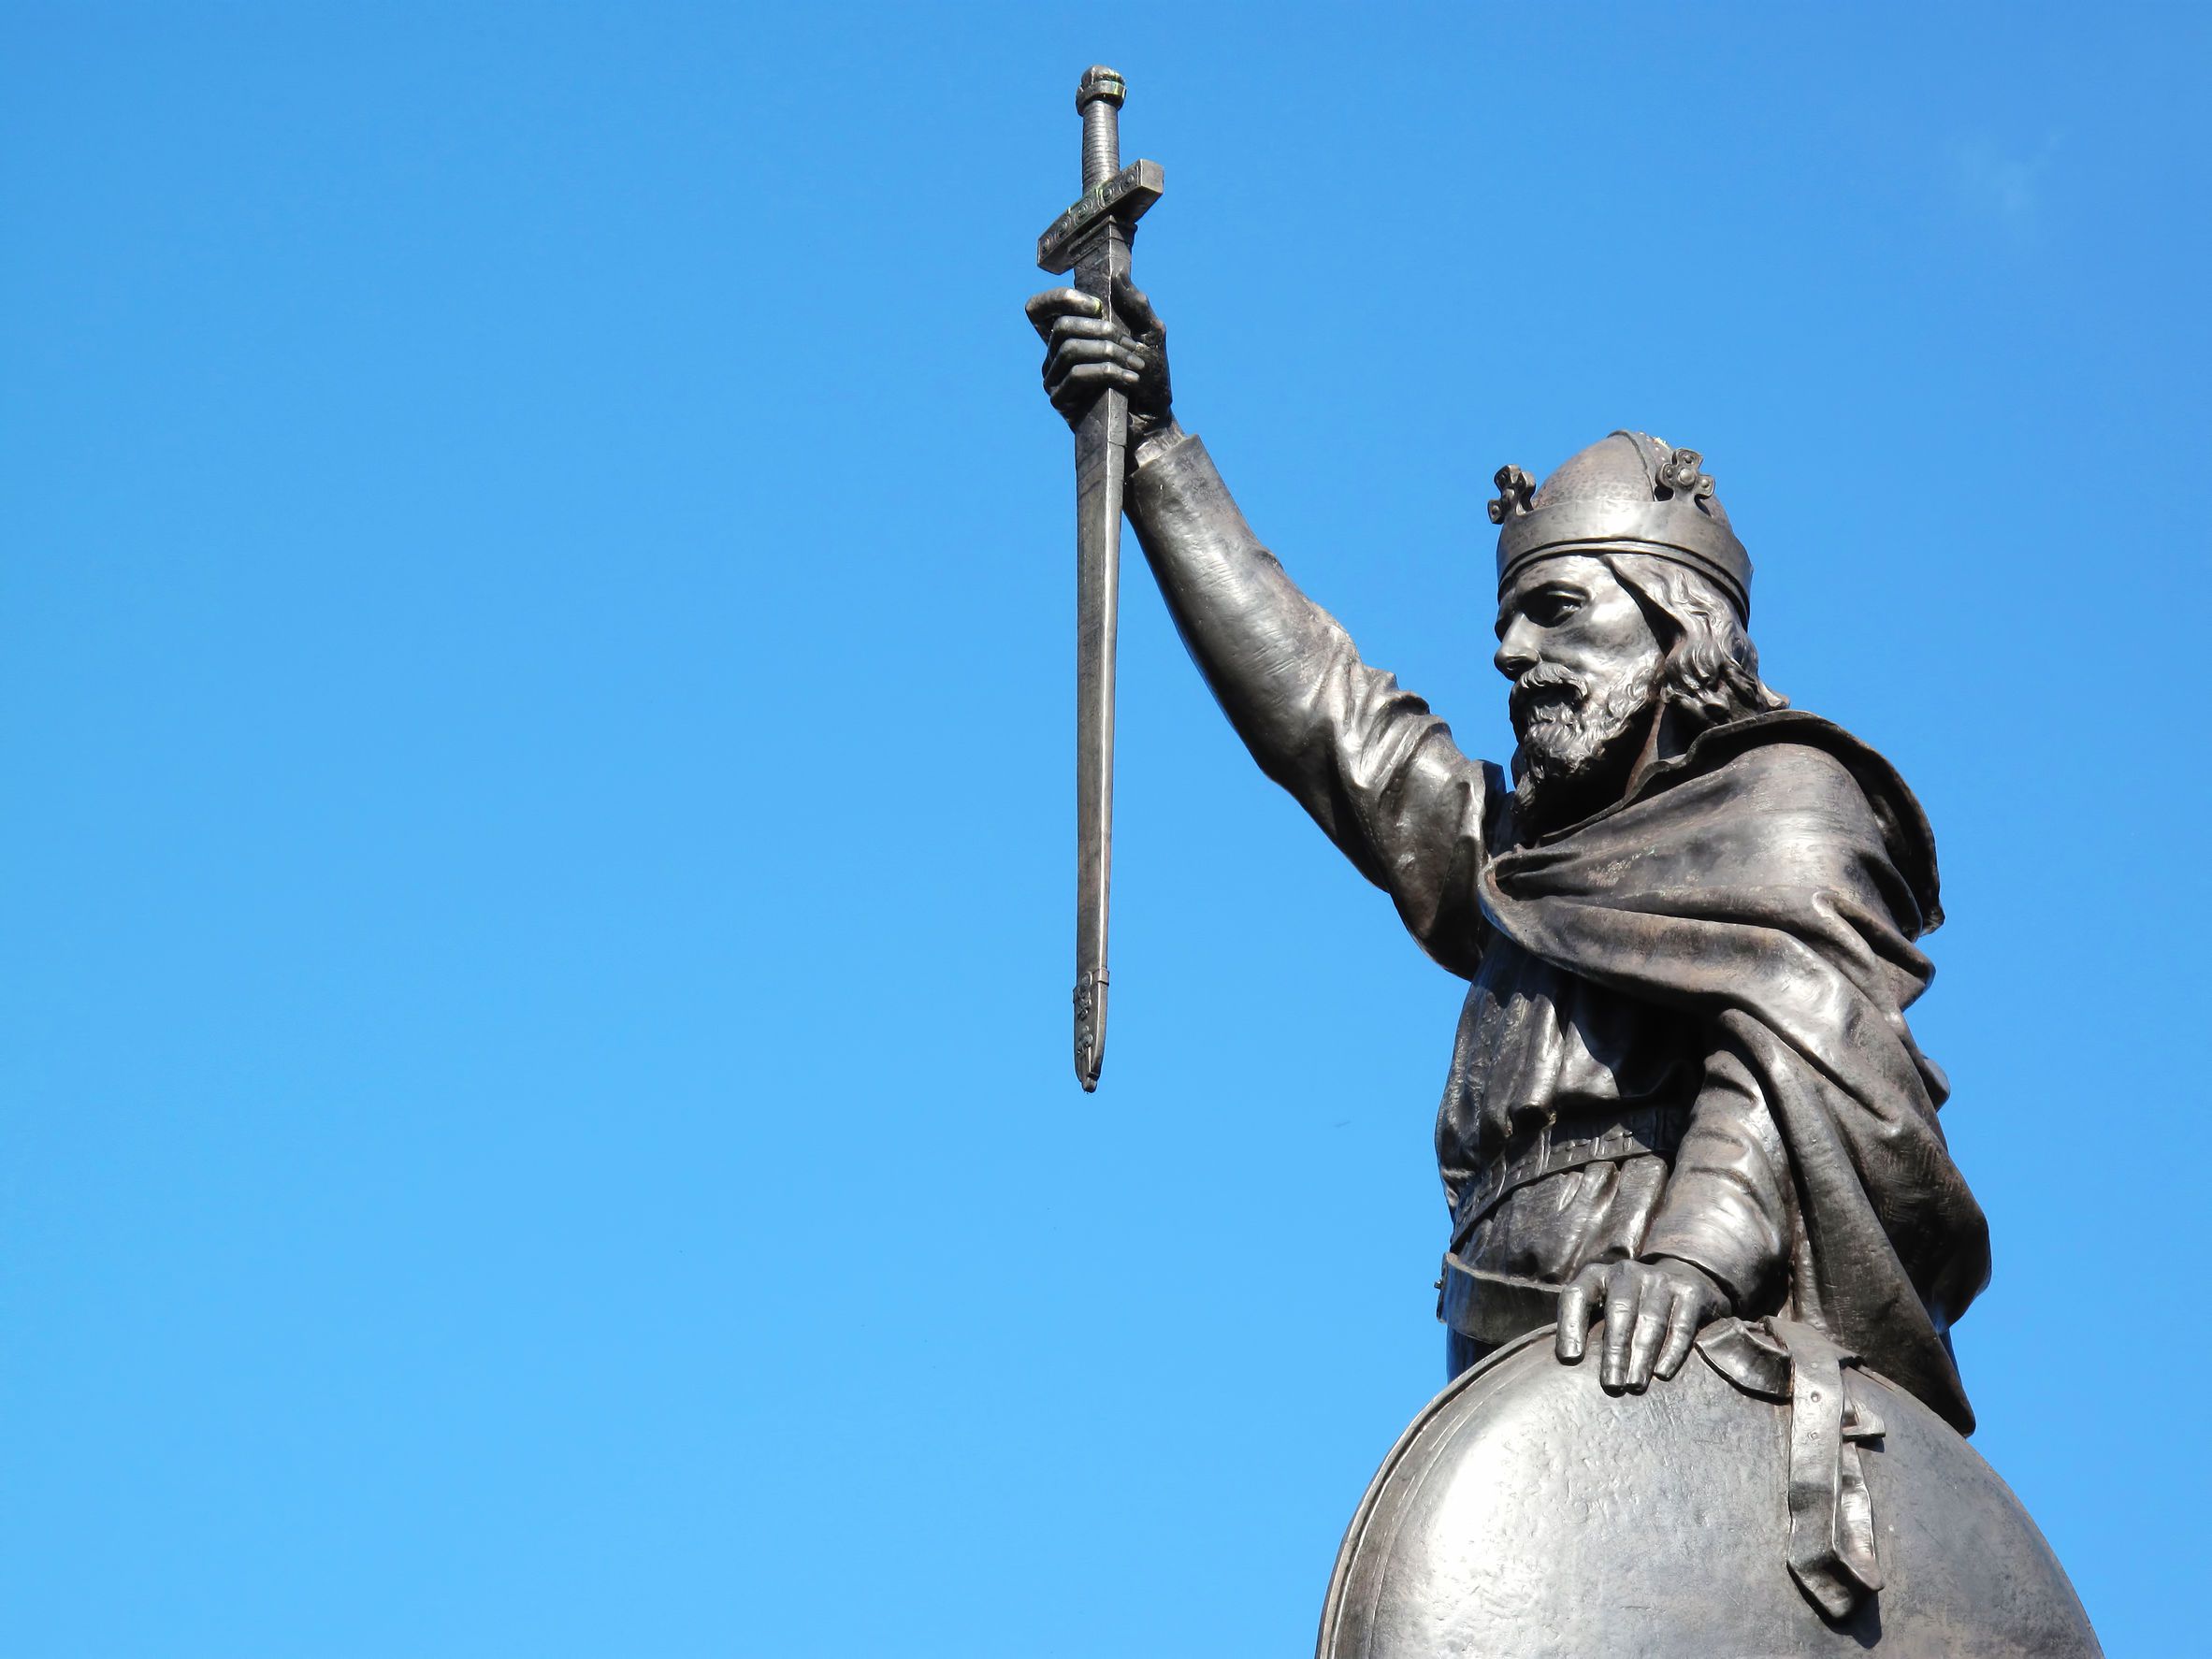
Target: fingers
(1137, 310)
(1574, 1313)
(1681, 1330)
(1620, 1325)
(1090, 339)
(1075, 389)
(1651, 1319)
(1652, 1324)
(1085, 353)
(1068, 329)
(1045, 309)
(1072, 354)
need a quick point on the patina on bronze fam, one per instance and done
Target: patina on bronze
(1684, 1103)
(1092, 239)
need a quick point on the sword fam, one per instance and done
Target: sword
(1092, 239)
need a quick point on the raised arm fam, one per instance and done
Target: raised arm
(1366, 759)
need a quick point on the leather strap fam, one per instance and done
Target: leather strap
(1831, 1513)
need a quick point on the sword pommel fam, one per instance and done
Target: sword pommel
(1098, 100)
(1101, 82)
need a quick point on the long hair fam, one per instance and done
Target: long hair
(1711, 671)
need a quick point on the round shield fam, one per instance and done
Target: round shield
(1527, 1514)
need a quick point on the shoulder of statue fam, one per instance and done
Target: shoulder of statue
(1797, 756)
(1787, 745)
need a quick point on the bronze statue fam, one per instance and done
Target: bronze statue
(1684, 1100)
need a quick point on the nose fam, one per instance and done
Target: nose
(1516, 651)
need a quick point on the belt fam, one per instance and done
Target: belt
(1493, 1308)
(1569, 1143)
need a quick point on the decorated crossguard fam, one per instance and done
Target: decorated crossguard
(1092, 239)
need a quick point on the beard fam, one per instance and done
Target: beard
(1579, 738)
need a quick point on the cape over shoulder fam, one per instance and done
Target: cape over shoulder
(1793, 761)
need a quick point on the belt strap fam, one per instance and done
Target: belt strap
(1831, 1514)
(1493, 1308)
(1569, 1143)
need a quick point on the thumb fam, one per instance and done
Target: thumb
(1137, 310)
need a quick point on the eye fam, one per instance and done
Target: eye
(1548, 607)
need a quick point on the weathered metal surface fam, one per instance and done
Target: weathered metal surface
(1122, 197)
(1529, 1514)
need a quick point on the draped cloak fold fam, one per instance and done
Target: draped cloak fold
(1771, 882)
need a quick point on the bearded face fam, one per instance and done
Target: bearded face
(1579, 734)
(1587, 670)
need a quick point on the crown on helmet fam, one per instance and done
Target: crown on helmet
(1629, 492)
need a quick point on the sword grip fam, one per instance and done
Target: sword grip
(1098, 99)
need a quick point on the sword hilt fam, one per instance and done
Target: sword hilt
(1110, 190)
(1098, 100)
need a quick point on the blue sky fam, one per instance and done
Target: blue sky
(536, 707)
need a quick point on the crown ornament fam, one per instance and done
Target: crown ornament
(1516, 490)
(1678, 475)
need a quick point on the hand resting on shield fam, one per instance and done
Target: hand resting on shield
(1653, 1312)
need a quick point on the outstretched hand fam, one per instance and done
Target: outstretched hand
(1653, 1312)
(1090, 348)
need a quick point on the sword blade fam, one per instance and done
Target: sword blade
(1101, 440)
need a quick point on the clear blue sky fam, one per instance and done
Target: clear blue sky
(535, 701)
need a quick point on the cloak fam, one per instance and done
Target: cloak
(1771, 881)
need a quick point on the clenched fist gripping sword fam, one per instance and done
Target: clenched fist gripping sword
(1092, 239)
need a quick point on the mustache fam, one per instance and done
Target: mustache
(1548, 691)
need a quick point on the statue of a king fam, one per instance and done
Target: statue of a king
(1683, 1084)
